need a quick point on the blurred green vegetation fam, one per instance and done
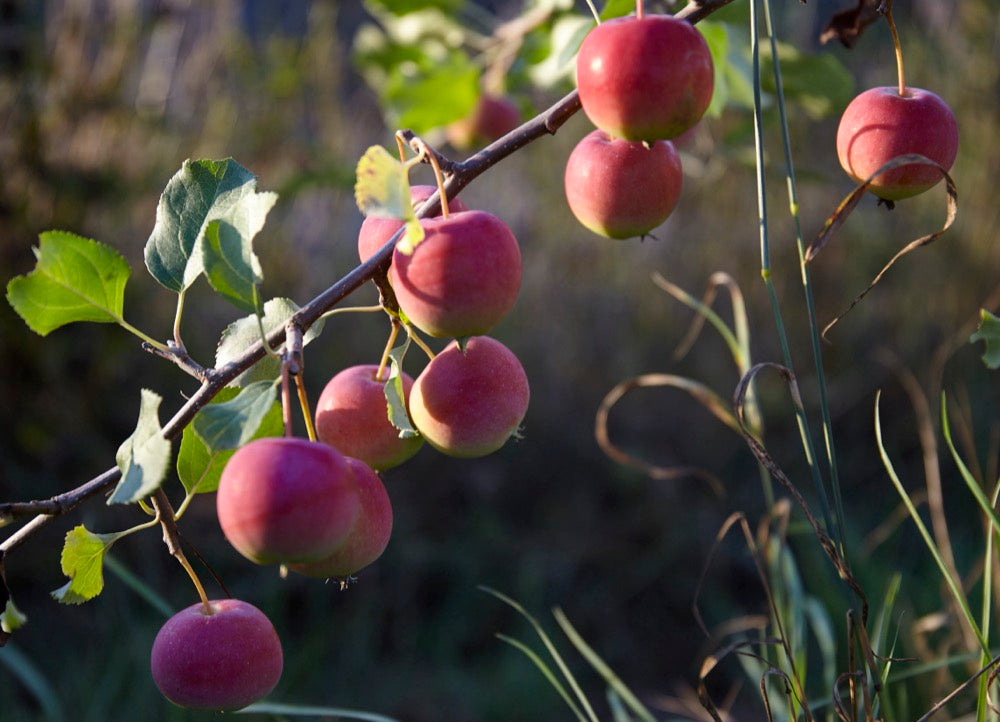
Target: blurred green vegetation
(101, 102)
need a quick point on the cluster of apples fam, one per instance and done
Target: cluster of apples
(642, 80)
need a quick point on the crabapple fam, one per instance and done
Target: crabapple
(285, 499)
(880, 124)
(468, 403)
(648, 78)
(620, 188)
(493, 117)
(462, 278)
(219, 661)
(368, 537)
(352, 416)
(376, 230)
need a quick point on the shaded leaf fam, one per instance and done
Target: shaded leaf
(240, 335)
(199, 468)
(231, 424)
(75, 279)
(394, 394)
(989, 331)
(819, 83)
(82, 561)
(231, 266)
(200, 192)
(144, 456)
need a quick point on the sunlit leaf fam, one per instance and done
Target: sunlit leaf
(231, 424)
(426, 97)
(200, 192)
(240, 335)
(617, 8)
(989, 331)
(144, 456)
(199, 468)
(82, 561)
(11, 619)
(75, 279)
(402, 7)
(382, 188)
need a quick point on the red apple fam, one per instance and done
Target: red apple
(220, 661)
(881, 124)
(619, 188)
(369, 536)
(375, 230)
(283, 500)
(648, 78)
(352, 416)
(469, 403)
(462, 278)
(492, 118)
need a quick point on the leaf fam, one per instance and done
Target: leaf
(231, 424)
(382, 189)
(199, 468)
(75, 279)
(200, 192)
(989, 331)
(231, 266)
(452, 81)
(11, 619)
(82, 561)
(240, 335)
(717, 37)
(820, 84)
(394, 394)
(565, 38)
(617, 8)
(402, 7)
(144, 456)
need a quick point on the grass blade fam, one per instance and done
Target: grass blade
(545, 670)
(303, 710)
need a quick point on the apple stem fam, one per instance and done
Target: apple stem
(439, 178)
(171, 537)
(286, 402)
(415, 337)
(898, 47)
(300, 387)
(639, 10)
(393, 333)
(402, 149)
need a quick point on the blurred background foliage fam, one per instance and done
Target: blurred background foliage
(102, 100)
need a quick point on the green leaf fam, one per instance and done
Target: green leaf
(565, 38)
(383, 190)
(428, 96)
(240, 335)
(11, 619)
(617, 8)
(231, 424)
(717, 37)
(200, 192)
(82, 561)
(402, 7)
(231, 266)
(144, 456)
(989, 331)
(199, 468)
(394, 394)
(819, 84)
(75, 279)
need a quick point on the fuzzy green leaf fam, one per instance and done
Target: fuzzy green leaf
(245, 332)
(818, 83)
(144, 456)
(394, 394)
(617, 8)
(231, 424)
(199, 468)
(75, 279)
(989, 331)
(200, 192)
(231, 266)
(452, 81)
(11, 619)
(83, 562)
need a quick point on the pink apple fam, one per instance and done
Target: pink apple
(881, 124)
(644, 79)
(493, 117)
(369, 536)
(220, 661)
(619, 188)
(352, 416)
(462, 278)
(469, 403)
(283, 500)
(375, 231)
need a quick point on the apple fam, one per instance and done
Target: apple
(352, 416)
(648, 78)
(462, 278)
(368, 537)
(493, 117)
(376, 230)
(284, 499)
(219, 661)
(880, 124)
(468, 403)
(621, 188)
